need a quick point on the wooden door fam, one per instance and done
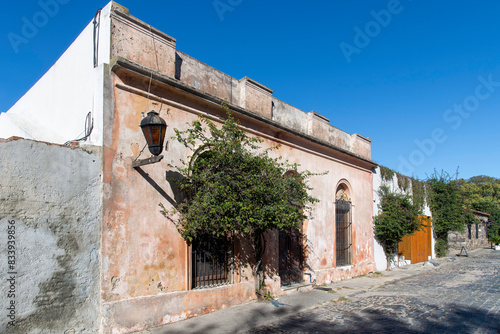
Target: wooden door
(290, 256)
(418, 247)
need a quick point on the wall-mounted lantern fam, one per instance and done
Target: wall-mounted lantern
(154, 128)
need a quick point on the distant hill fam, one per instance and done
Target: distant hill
(481, 179)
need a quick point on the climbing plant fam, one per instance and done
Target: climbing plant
(447, 204)
(406, 184)
(397, 217)
(403, 182)
(386, 173)
(230, 184)
(418, 193)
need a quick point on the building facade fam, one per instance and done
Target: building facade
(148, 274)
(474, 235)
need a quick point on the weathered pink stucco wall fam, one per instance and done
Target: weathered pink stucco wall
(145, 280)
(320, 228)
(145, 261)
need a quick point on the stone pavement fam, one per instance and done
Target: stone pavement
(461, 296)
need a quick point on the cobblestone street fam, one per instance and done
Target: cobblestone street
(461, 297)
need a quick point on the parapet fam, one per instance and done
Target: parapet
(144, 45)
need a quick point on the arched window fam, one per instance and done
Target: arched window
(343, 227)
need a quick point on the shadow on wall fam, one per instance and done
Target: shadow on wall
(157, 187)
(244, 248)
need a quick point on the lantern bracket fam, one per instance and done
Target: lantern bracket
(148, 161)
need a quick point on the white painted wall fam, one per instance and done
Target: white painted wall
(55, 108)
(427, 212)
(380, 258)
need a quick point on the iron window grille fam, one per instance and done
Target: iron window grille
(477, 231)
(343, 221)
(210, 261)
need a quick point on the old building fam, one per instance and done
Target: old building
(147, 274)
(474, 235)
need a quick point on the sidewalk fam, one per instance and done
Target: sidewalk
(241, 318)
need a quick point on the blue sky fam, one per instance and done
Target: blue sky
(420, 78)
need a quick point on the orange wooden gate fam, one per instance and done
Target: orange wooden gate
(418, 247)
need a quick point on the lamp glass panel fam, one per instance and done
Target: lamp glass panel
(155, 134)
(147, 134)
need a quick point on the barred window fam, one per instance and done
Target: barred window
(210, 261)
(343, 221)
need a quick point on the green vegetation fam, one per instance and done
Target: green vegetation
(375, 274)
(403, 182)
(451, 201)
(449, 212)
(482, 193)
(232, 185)
(386, 173)
(494, 239)
(397, 217)
(265, 296)
(419, 193)
(493, 209)
(481, 189)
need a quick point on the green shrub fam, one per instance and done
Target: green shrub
(495, 239)
(448, 208)
(398, 216)
(441, 248)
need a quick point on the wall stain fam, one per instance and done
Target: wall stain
(56, 301)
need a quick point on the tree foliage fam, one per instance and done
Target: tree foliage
(448, 207)
(481, 189)
(232, 185)
(482, 193)
(397, 217)
(483, 179)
